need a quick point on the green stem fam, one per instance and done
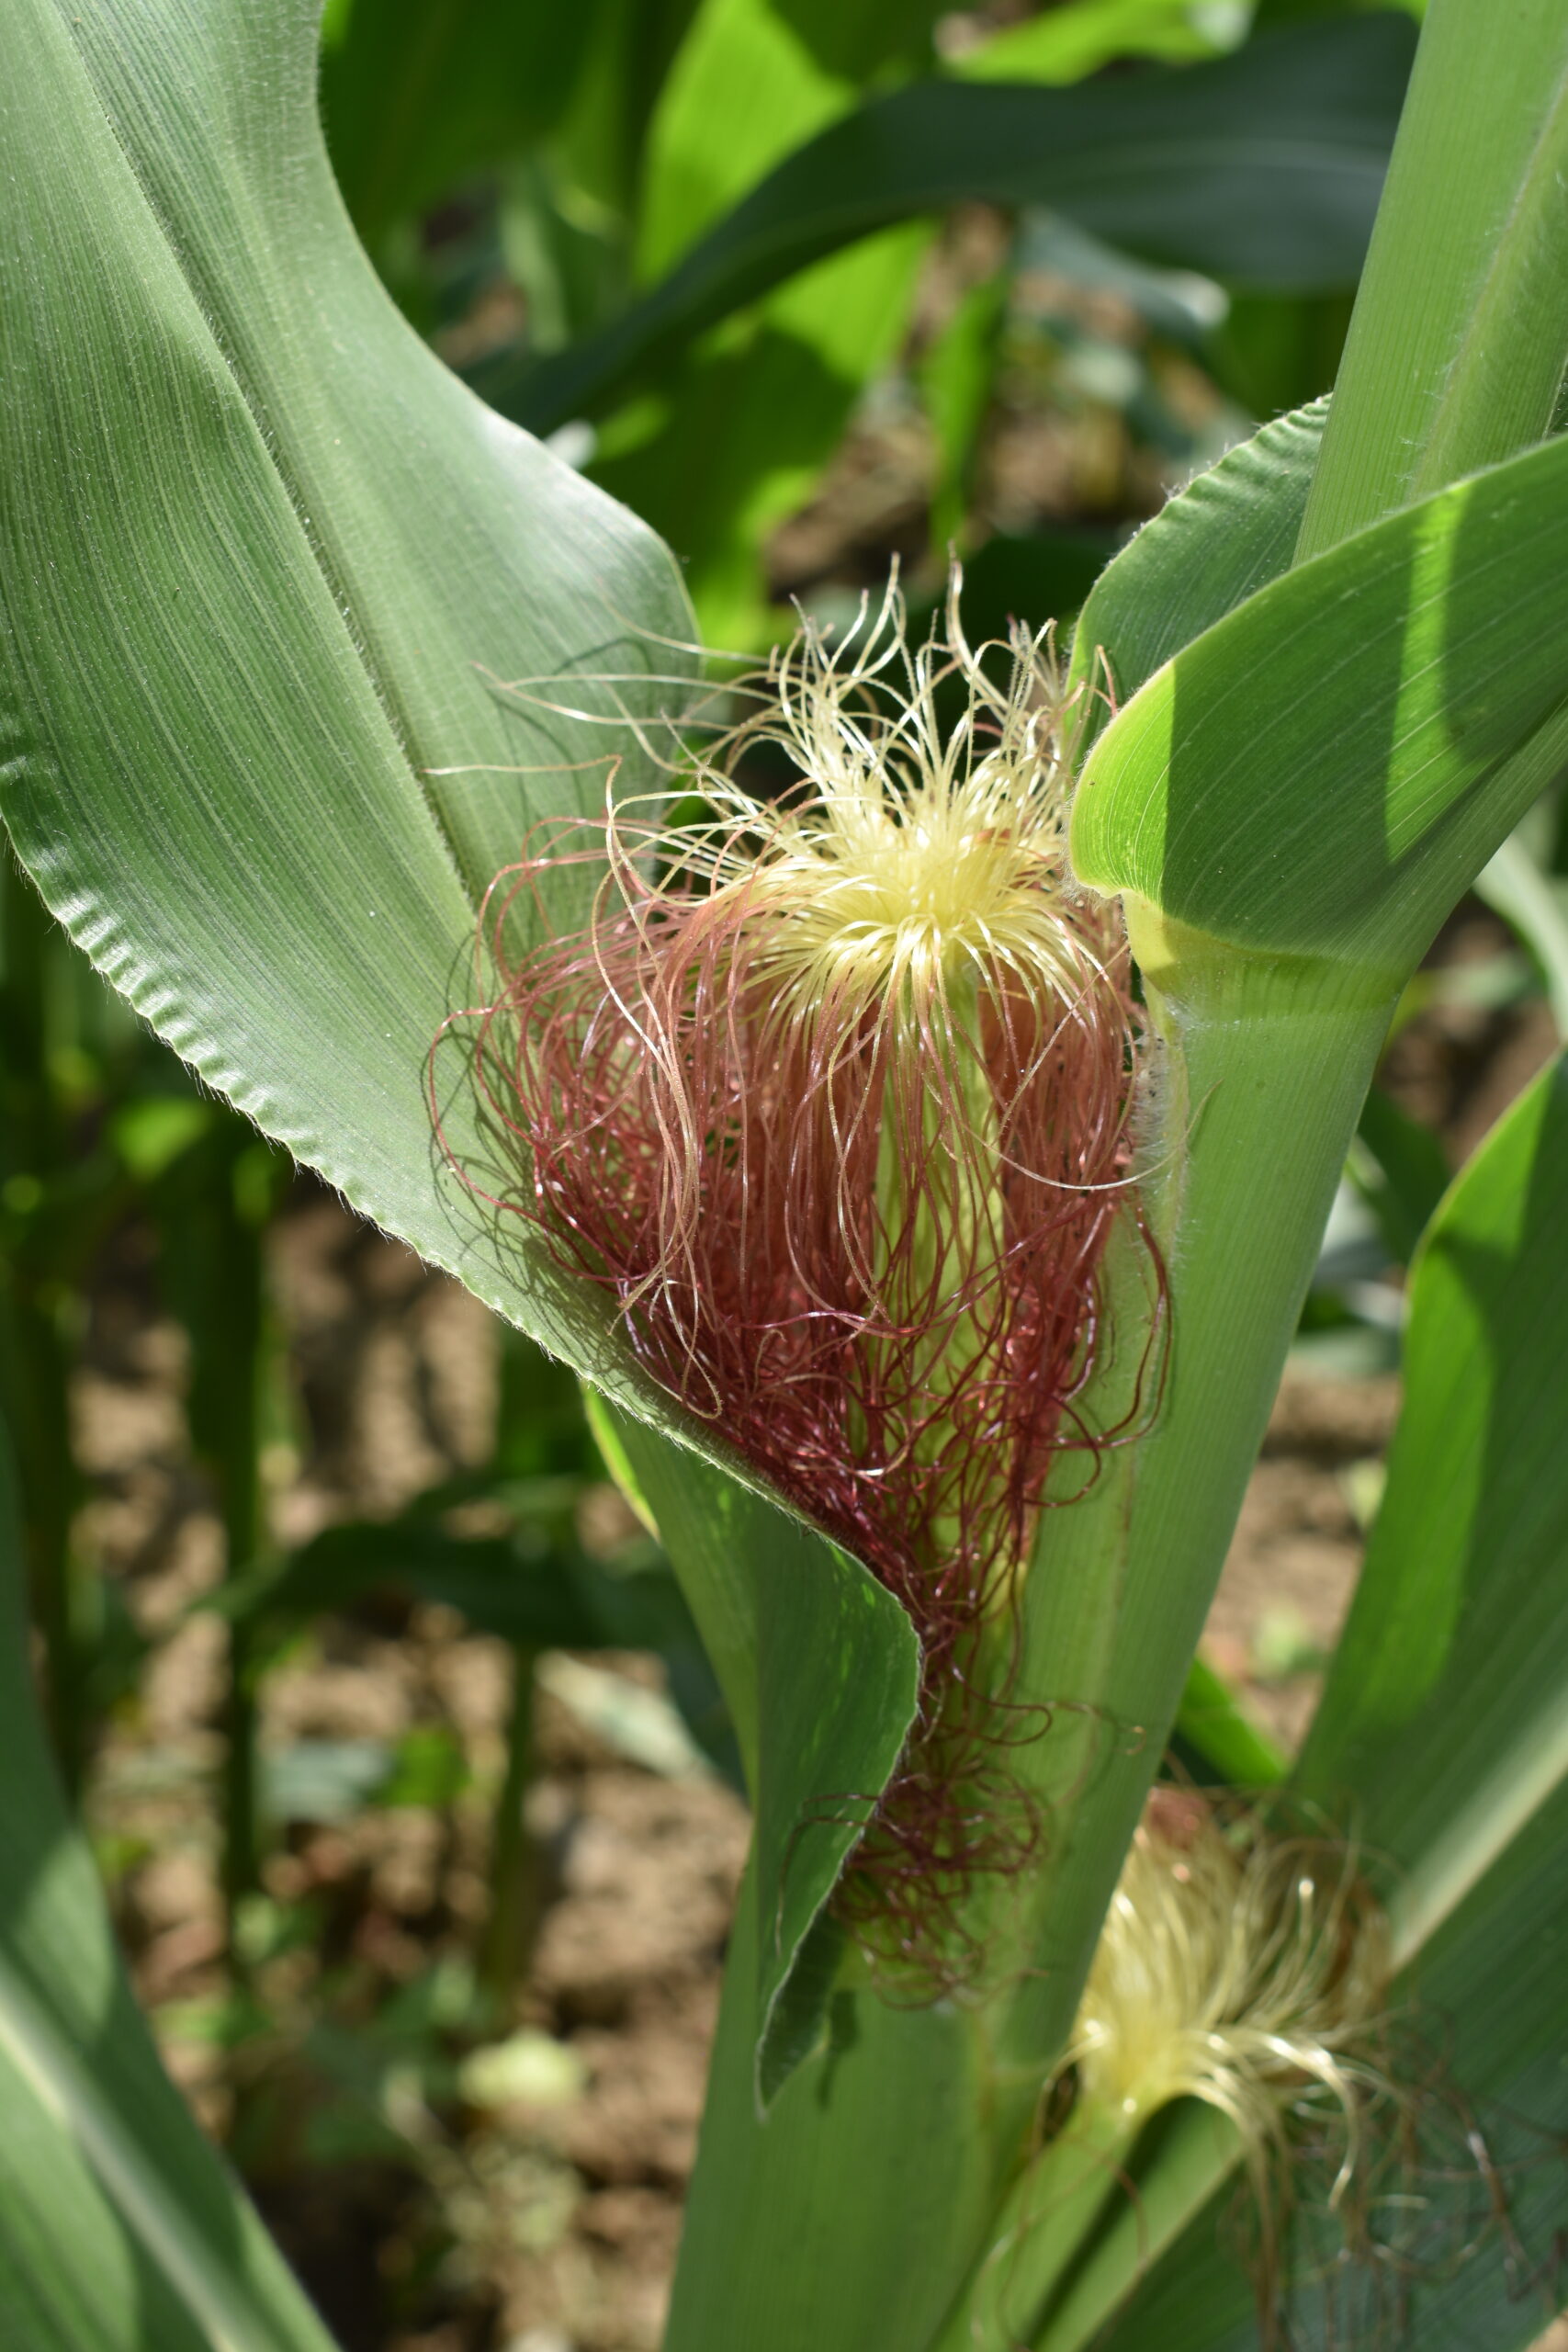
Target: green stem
(1210, 1722)
(512, 1870)
(212, 1204)
(1457, 348)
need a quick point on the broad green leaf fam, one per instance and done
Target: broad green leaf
(213, 629)
(1263, 167)
(753, 80)
(1325, 768)
(820, 1668)
(260, 552)
(418, 99)
(1446, 1707)
(1229, 532)
(120, 2228)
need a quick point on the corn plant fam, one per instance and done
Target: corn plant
(305, 647)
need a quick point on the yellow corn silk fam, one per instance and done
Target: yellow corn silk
(1246, 1969)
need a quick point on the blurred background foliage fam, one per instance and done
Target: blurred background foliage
(812, 284)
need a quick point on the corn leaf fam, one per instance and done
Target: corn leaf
(1447, 1710)
(1459, 334)
(1263, 167)
(120, 2228)
(840, 2220)
(258, 544)
(1322, 771)
(251, 577)
(750, 82)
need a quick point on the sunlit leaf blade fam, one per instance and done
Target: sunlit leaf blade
(1263, 167)
(120, 2228)
(1324, 770)
(1447, 1710)
(1457, 346)
(256, 542)
(750, 82)
(461, 552)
